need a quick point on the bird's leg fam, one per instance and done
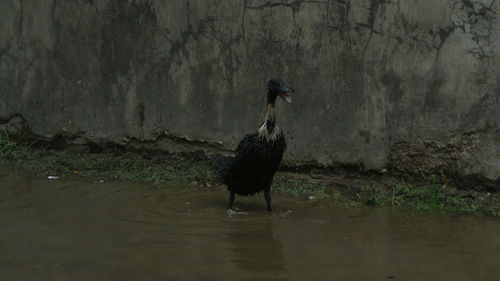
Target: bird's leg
(267, 194)
(231, 200)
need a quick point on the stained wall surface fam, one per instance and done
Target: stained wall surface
(369, 74)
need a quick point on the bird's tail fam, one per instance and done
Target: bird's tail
(221, 165)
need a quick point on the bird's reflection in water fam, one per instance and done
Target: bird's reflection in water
(255, 251)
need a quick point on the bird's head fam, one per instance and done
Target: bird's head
(276, 87)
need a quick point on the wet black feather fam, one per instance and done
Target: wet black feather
(221, 165)
(255, 164)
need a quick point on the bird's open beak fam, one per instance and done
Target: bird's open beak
(284, 90)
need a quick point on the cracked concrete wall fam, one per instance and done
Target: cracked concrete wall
(369, 73)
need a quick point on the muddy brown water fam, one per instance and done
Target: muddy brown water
(80, 230)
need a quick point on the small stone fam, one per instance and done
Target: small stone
(316, 174)
(81, 141)
(80, 148)
(16, 126)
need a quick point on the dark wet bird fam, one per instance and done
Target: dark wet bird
(258, 155)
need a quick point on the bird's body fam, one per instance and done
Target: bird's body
(256, 162)
(258, 155)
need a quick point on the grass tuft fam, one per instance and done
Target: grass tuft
(431, 196)
(300, 188)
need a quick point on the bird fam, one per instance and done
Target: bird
(259, 154)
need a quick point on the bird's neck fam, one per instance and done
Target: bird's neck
(269, 130)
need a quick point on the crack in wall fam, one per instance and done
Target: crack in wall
(295, 5)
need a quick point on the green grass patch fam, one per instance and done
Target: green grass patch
(128, 166)
(300, 188)
(428, 195)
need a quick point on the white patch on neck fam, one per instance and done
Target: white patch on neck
(269, 136)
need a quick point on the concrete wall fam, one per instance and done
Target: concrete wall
(369, 74)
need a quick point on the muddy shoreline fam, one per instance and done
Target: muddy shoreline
(348, 186)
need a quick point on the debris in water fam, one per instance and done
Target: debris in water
(283, 214)
(53, 177)
(312, 197)
(317, 220)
